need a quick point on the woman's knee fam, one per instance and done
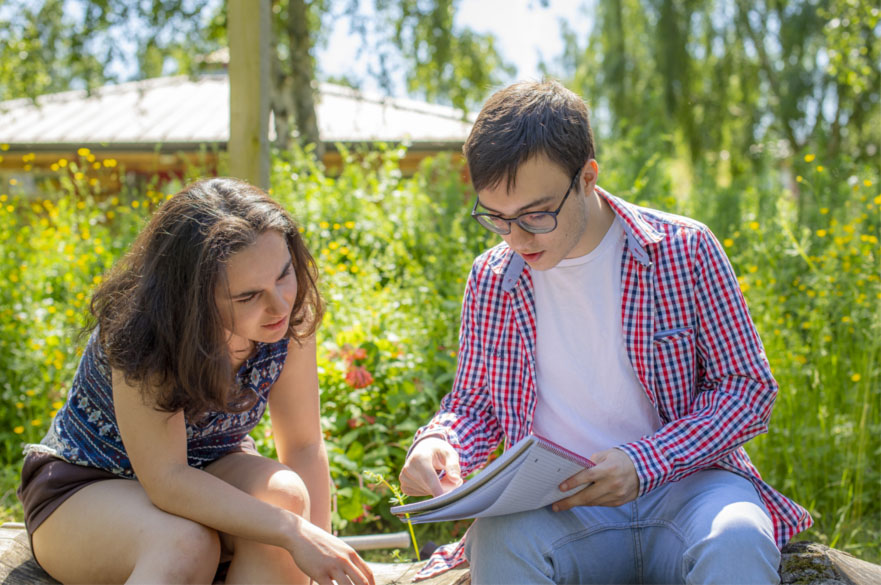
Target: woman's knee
(185, 552)
(286, 489)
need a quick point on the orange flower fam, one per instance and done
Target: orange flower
(358, 377)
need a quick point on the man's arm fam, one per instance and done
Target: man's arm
(467, 428)
(731, 403)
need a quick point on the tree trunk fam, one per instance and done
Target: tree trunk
(301, 87)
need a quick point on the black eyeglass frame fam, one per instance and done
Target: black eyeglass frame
(487, 223)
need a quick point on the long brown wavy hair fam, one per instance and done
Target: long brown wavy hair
(156, 309)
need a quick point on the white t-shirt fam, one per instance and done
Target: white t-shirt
(589, 398)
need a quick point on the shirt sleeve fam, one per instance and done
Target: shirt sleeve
(734, 391)
(466, 419)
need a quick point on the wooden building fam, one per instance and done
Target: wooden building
(160, 127)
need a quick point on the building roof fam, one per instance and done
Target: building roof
(182, 111)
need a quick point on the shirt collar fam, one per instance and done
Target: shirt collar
(640, 234)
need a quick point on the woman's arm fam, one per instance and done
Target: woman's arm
(156, 443)
(294, 407)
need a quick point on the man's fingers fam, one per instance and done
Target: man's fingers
(583, 477)
(581, 498)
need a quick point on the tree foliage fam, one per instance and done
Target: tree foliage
(735, 76)
(54, 45)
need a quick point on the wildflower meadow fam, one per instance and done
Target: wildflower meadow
(393, 253)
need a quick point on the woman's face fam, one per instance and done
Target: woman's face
(257, 295)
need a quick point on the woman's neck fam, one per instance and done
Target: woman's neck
(240, 349)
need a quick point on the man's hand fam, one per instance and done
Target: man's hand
(430, 458)
(611, 483)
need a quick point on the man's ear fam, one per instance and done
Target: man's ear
(589, 174)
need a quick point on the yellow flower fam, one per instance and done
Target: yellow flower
(824, 210)
(62, 162)
(324, 225)
(57, 404)
(341, 267)
(36, 422)
(301, 229)
(753, 225)
(83, 151)
(867, 183)
(4, 147)
(820, 168)
(110, 163)
(728, 242)
(753, 268)
(136, 203)
(349, 224)
(821, 233)
(809, 158)
(333, 245)
(856, 378)
(336, 226)
(54, 166)
(354, 269)
(799, 179)
(30, 392)
(877, 200)
(845, 319)
(19, 405)
(19, 429)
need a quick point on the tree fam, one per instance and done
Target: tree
(736, 76)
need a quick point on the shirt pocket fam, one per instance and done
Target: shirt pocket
(674, 364)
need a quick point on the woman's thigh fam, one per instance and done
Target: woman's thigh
(102, 532)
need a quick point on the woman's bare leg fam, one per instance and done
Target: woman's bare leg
(274, 483)
(110, 532)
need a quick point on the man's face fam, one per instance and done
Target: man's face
(540, 186)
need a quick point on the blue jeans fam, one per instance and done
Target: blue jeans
(711, 527)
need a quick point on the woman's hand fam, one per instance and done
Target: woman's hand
(325, 558)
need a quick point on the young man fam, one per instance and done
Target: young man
(621, 334)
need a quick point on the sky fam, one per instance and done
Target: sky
(526, 32)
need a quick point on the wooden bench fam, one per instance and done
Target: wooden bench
(804, 563)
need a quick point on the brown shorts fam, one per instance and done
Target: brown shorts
(47, 482)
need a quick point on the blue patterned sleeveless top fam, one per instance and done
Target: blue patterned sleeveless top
(85, 431)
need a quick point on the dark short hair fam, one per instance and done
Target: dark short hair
(524, 120)
(156, 310)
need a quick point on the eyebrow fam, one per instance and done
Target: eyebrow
(249, 293)
(540, 201)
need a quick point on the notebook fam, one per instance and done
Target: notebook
(525, 477)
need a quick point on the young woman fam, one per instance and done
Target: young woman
(147, 473)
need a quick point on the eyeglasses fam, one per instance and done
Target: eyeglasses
(534, 222)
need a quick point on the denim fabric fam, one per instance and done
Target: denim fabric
(710, 527)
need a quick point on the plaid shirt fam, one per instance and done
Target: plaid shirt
(689, 338)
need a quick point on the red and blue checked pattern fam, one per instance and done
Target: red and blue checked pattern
(689, 337)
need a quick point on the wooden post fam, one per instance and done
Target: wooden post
(249, 32)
